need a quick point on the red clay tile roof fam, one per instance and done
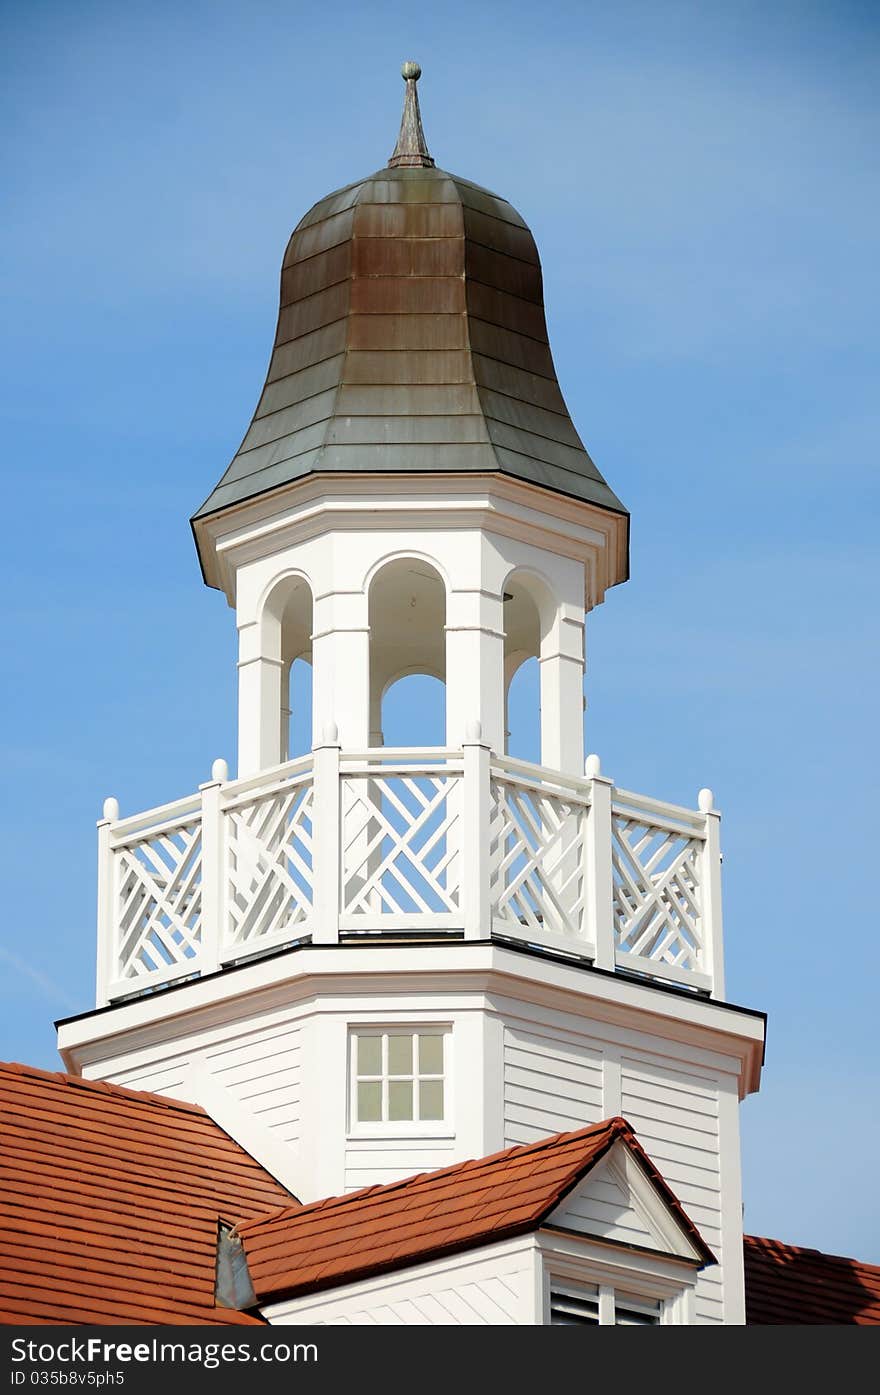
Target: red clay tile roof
(786, 1284)
(109, 1203)
(456, 1208)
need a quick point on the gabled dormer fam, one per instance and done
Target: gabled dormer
(578, 1229)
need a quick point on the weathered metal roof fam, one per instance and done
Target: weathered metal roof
(411, 338)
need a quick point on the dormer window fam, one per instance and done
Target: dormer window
(575, 1307)
(599, 1305)
(398, 1076)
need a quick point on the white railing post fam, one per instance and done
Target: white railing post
(711, 931)
(326, 839)
(475, 835)
(108, 967)
(213, 908)
(598, 883)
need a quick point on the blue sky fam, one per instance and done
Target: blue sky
(702, 183)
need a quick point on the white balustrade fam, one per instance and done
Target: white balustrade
(153, 897)
(401, 841)
(537, 832)
(268, 865)
(346, 845)
(656, 859)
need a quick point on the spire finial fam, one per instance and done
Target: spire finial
(411, 149)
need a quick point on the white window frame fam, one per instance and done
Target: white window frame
(607, 1298)
(568, 1262)
(400, 1128)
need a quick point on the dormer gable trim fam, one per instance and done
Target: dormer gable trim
(618, 1202)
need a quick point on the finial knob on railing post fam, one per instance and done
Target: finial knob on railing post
(473, 733)
(213, 887)
(592, 767)
(330, 734)
(106, 901)
(706, 801)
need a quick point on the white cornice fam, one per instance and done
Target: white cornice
(316, 505)
(323, 978)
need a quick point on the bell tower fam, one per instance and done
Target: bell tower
(368, 961)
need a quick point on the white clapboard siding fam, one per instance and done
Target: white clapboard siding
(371, 1161)
(602, 1208)
(550, 1085)
(485, 1288)
(263, 1072)
(164, 1078)
(675, 1115)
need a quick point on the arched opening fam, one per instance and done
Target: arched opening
(522, 673)
(287, 635)
(299, 707)
(396, 863)
(414, 711)
(524, 712)
(541, 858)
(407, 654)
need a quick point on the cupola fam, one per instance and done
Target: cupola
(412, 340)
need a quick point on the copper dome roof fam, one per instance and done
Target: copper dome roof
(411, 338)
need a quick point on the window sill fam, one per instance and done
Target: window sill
(425, 1131)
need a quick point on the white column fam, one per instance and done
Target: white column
(475, 667)
(341, 668)
(260, 670)
(562, 692)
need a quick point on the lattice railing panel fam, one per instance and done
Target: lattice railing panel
(269, 867)
(159, 902)
(656, 874)
(536, 852)
(401, 852)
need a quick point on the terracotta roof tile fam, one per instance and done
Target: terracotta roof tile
(303, 1249)
(787, 1284)
(109, 1203)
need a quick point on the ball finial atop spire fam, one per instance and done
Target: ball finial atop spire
(411, 150)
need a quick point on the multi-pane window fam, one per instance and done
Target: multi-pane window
(589, 1306)
(398, 1076)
